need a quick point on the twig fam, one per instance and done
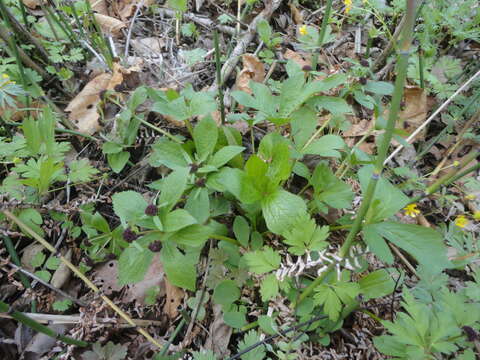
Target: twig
(245, 40)
(219, 76)
(78, 273)
(403, 258)
(443, 106)
(73, 319)
(129, 35)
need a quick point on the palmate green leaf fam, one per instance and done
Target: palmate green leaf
(328, 298)
(329, 189)
(274, 151)
(263, 261)
(134, 262)
(129, 206)
(333, 104)
(205, 136)
(376, 284)
(306, 235)
(251, 338)
(108, 352)
(81, 171)
(204, 355)
(179, 268)
(424, 244)
(327, 145)
(269, 287)
(281, 209)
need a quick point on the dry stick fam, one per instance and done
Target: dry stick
(381, 58)
(77, 272)
(206, 22)
(245, 41)
(443, 106)
(51, 287)
(129, 35)
(74, 319)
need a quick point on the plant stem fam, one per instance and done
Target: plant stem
(218, 67)
(22, 318)
(224, 238)
(323, 31)
(382, 151)
(179, 327)
(421, 68)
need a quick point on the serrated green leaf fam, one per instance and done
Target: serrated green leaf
(44, 275)
(198, 204)
(205, 136)
(269, 287)
(376, 284)
(38, 259)
(129, 206)
(235, 319)
(225, 154)
(179, 268)
(329, 189)
(62, 305)
(241, 229)
(134, 262)
(262, 261)
(251, 338)
(281, 209)
(193, 236)
(178, 219)
(118, 161)
(169, 154)
(226, 293)
(52, 263)
(326, 146)
(173, 187)
(81, 171)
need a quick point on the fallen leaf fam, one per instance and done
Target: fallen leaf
(110, 24)
(83, 108)
(99, 6)
(106, 276)
(358, 129)
(301, 59)
(32, 4)
(63, 272)
(126, 8)
(28, 254)
(175, 297)
(150, 47)
(415, 111)
(253, 70)
(219, 334)
(296, 14)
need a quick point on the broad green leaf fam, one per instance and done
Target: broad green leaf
(329, 189)
(134, 262)
(269, 287)
(226, 293)
(327, 297)
(244, 99)
(117, 161)
(178, 219)
(241, 229)
(333, 104)
(326, 146)
(179, 268)
(274, 150)
(38, 259)
(44, 275)
(52, 263)
(235, 319)
(111, 148)
(169, 154)
(224, 155)
(201, 104)
(262, 261)
(387, 200)
(281, 209)
(198, 204)
(172, 188)
(304, 122)
(424, 244)
(376, 284)
(32, 219)
(264, 30)
(205, 136)
(379, 87)
(377, 245)
(267, 324)
(129, 206)
(193, 236)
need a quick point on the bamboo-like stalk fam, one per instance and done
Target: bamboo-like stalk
(24, 319)
(78, 273)
(323, 31)
(404, 52)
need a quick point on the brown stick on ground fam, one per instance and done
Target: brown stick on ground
(245, 40)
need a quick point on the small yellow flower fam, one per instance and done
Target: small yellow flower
(348, 6)
(476, 215)
(456, 163)
(5, 76)
(470, 197)
(303, 30)
(411, 210)
(461, 221)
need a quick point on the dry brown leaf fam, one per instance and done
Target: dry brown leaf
(219, 334)
(126, 8)
(106, 275)
(301, 59)
(99, 6)
(83, 108)
(359, 129)
(110, 24)
(296, 14)
(253, 70)
(150, 47)
(415, 111)
(155, 276)
(174, 299)
(63, 272)
(28, 254)
(32, 4)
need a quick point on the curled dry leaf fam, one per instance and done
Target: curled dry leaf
(296, 14)
(110, 24)
(83, 108)
(126, 8)
(301, 59)
(63, 272)
(99, 6)
(253, 70)
(150, 47)
(415, 111)
(219, 334)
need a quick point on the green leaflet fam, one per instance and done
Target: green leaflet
(281, 210)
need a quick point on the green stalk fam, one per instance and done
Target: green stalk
(218, 67)
(16, 260)
(382, 151)
(421, 68)
(24, 319)
(323, 31)
(179, 327)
